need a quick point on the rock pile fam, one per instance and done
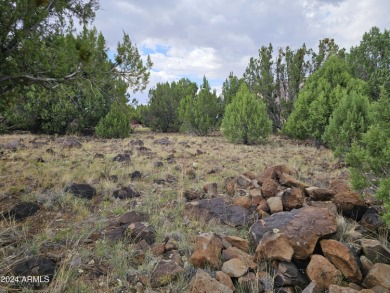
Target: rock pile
(292, 233)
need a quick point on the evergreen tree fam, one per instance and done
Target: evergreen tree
(246, 119)
(200, 113)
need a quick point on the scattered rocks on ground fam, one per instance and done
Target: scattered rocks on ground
(126, 193)
(81, 190)
(122, 158)
(203, 282)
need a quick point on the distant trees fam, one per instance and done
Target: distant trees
(246, 120)
(200, 113)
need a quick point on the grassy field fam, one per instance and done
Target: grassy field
(41, 168)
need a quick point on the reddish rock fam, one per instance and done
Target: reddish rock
(238, 242)
(340, 289)
(269, 188)
(322, 271)
(274, 246)
(312, 288)
(256, 200)
(202, 282)
(243, 201)
(170, 245)
(375, 251)
(233, 252)
(229, 185)
(243, 181)
(191, 194)
(234, 268)
(343, 258)
(378, 276)
(263, 206)
(249, 174)
(275, 204)
(339, 185)
(224, 279)
(366, 265)
(207, 250)
(290, 181)
(255, 193)
(329, 205)
(320, 194)
(303, 227)
(350, 204)
(273, 171)
(292, 198)
(158, 249)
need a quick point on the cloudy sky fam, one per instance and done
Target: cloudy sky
(192, 38)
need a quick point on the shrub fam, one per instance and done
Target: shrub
(348, 122)
(245, 120)
(116, 124)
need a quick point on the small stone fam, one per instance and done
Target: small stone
(234, 268)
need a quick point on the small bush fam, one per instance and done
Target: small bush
(246, 119)
(116, 124)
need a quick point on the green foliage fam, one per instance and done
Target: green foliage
(245, 120)
(369, 158)
(370, 61)
(321, 94)
(230, 88)
(116, 124)
(164, 102)
(200, 113)
(348, 122)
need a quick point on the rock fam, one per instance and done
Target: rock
(125, 193)
(340, 289)
(243, 201)
(339, 185)
(138, 231)
(372, 220)
(366, 264)
(114, 233)
(234, 252)
(342, 257)
(234, 268)
(136, 142)
(132, 217)
(170, 245)
(320, 194)
(135, 175)
(292, 198)
(162, 141)
(165, 273)
(113, 178)
(158, 249)
(325, 205)
(273, 171)
(207, 250)
(243, 181)
(250, 283)
(350, 204)
(238, 242)
(378, 276)
(229, 186)
(287, 274)
(255, 193)
(13, 145)
(224, 279)
(122, 158)
(158, 164)
(322, 271)
(269, 188)
(312, 288)
(190, 172)
(35, 266)
(21, 211)
(232, 215)
(70, 143)
(275, 204)
(303, 227)
(211, 189)
(262, 205)
(202, 282)
(274, 246)
(375, 251)
(290, 181)
(249, 174)
(190, 194)
(81, 190)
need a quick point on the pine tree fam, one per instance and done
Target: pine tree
(245, 120)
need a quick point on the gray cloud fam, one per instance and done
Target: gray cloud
(214, 37)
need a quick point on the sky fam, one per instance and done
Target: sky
(212, 38)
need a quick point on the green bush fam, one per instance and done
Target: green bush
(369, 158)
(348, 122)
(245, 120)
(200, 113)
(116, 124)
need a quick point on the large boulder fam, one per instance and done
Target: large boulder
(292, 198)
(303, 227)
(375, 251)
(217, 208)
(274, 246)
(343, 258)
(350, 204)
(274, 171)
(269, 188)
(378, 276)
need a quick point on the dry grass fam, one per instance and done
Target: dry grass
(35, 174)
